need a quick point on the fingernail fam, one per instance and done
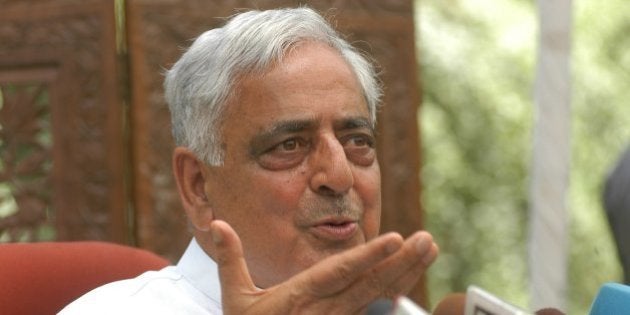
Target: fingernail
(217, 238)
(427, 259)
(422, 244)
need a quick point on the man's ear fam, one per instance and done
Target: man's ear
(191, 179)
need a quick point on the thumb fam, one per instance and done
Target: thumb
(228, 254)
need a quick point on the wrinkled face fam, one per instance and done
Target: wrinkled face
(300, 179)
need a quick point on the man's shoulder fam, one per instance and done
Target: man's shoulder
(156, 292)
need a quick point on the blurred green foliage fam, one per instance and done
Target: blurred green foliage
(477, 61)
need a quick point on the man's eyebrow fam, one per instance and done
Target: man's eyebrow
(354, 123)
(288, 126)
(283, 127)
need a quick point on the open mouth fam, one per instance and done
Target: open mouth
(335, 230)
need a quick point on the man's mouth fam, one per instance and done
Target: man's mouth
(335, 229)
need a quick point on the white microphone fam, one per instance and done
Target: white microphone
(481, 302)
(405, 306)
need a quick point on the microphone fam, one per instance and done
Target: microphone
(452, 304)
(475, 302)
(549, 311)
(612, 298)
(405, 306)
(380, 307)
(479, 301)
(402, 306)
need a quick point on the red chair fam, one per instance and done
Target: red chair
(41, 278)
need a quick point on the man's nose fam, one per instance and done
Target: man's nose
(332, 173)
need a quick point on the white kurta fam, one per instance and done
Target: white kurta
(191, 287)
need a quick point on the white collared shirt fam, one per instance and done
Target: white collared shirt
(191, 287)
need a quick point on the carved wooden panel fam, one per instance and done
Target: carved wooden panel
(63, 117)
(25, 147)
(157, 32)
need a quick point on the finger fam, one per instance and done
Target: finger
(415, 254)
(406, 282)
(228, 254)
(397, 274)
(337, 272)
(428, 259)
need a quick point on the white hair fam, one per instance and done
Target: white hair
(199, 85)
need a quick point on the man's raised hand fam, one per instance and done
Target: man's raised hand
(345, 283)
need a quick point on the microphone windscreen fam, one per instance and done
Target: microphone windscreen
(549, 311)
(452, 304)
(380, 307)
(612, 298)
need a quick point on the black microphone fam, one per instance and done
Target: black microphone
(401, 306)
(380, 307)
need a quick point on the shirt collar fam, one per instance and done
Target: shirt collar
(201, 271)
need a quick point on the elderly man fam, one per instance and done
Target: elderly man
(274, 116)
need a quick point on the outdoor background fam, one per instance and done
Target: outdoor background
(476, 62)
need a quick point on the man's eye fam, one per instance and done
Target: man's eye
(285, 155)
(289, 145)
(360, 149)
(360, 141)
